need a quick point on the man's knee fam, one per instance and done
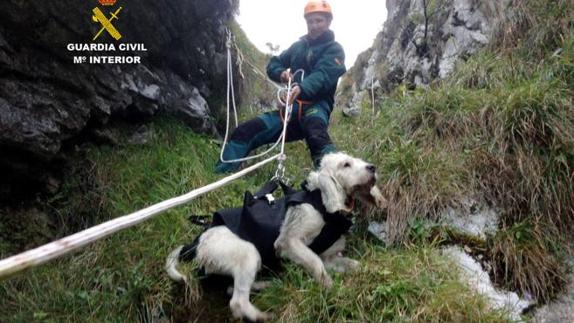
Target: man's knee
(247, 130)
(318, 138)
(316, 133)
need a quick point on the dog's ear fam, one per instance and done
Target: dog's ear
(313, 181)
(332, 194)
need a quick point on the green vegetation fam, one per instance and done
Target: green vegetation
(405, 284)
(499, 130)
(121, 278)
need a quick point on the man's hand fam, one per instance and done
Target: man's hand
(295, 89)
(295, 92)
(285, 76)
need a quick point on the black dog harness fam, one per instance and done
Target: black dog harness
(260, 219)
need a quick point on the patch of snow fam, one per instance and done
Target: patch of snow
(472, 220)
(561, 309)
(479, 281)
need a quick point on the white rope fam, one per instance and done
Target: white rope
(283, 89)
(40, 255)
(373, 93)
(233, 105)
(230, 88)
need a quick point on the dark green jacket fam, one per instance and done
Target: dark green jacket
(323, 61)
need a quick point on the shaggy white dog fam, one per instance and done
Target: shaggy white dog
(221, 251)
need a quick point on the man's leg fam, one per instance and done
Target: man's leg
(315, 123)
(249, 135)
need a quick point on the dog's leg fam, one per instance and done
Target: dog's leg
(257, 286)
(341, 264)
(240, 305)
(333, 261)
(222, 252)
(298, 252)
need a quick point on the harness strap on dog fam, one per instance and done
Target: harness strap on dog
(200, 220)
(259, 220)
(336, 224)
(188, 252)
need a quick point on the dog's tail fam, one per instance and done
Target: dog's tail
(171, 263)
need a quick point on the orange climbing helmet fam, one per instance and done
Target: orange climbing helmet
(318, 6)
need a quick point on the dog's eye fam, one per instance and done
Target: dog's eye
(347, 164)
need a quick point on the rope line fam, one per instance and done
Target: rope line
(42, 254)
(255, 69)
(231, 104)
(373, 93)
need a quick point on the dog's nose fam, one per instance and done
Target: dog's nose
(372, 168)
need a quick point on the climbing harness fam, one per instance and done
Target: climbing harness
(301, 104)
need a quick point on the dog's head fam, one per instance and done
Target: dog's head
(341, 176)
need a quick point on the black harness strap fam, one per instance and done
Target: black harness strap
(336, 224)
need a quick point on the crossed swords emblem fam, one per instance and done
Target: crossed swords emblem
(106, 23)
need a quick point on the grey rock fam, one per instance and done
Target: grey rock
(47, 101)
(380, 231)
(412, 50)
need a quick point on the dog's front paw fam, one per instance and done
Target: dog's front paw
(352, 264)
(327, 282)
(264, 316)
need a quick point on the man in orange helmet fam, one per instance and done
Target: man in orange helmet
(322, 60)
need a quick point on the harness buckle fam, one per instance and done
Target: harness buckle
(280, 172)
(270, 198)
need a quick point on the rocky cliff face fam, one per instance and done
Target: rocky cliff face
(421, 41)
(49, 102)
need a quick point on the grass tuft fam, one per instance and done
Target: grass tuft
(522, 261)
